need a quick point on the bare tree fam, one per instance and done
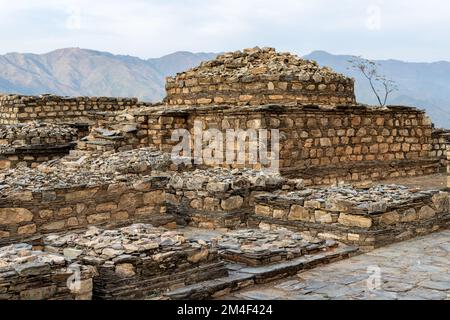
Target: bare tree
(369, 69)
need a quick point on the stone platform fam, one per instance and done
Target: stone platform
(368, 218)
(256, 247)
(63, 195)
(139, 261)
(26, 274)
(34, 143)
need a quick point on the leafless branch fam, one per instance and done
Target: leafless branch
(369, 70)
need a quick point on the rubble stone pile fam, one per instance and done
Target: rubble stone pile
(26, 274)
(139, 260)
(257, 77)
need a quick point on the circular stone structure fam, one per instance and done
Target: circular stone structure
(259, 77)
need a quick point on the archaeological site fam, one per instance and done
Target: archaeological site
(256, 167)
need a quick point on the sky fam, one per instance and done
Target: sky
(410, 30)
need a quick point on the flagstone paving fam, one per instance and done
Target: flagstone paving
(418, 269)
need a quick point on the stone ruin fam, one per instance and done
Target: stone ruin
(30, 144)
(258, 77)
(89, 185)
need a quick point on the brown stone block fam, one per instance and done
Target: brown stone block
(299, 213)
(54, 226)
(98, 218)
(155, 197)
(106, 207)
(62, 212)
(355, 221)
(10, 216)
(390, 218)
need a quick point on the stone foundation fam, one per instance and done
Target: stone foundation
(34, 275)
(257, 77)
(30, 214)
(218, 198)
(441, 146)
(366, 218)
(34, 143)
(255, 247)
(48, 108)
(139, 261)
(32, 156)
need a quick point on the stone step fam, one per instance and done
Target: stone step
(243, 276)
(100, 143)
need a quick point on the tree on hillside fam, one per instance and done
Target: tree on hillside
(381, 86)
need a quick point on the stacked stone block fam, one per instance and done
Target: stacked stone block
(321, 145)
(257, 77)
(27, 274)
(49, 108)
(139, 261)
(26, 215)
(34, 143)
(366, 218)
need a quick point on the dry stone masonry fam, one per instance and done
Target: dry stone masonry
(256, 247)
(49, 108)
(34, 143)
(368, 218)
(257, 77)
(27, 274)
(89, 187)
(218, 198)
(64, 196)
(140, 260)
(322, 145)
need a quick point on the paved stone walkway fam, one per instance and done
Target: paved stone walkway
(418, 269)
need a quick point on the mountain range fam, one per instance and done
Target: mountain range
(82, 72)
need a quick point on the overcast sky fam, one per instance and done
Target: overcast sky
(413, 30)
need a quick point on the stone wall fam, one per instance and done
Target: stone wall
(218, 198)
(34, 143)
(117, 131)
(441, 146)
(319, 144)
(257, 77)
(366, 218)
(25, 215)
(18, 108)
(139, 261)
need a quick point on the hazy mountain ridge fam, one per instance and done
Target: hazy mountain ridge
(76, 72)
